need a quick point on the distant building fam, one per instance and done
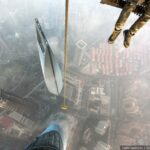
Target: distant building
(22, 112)
(12, 102)
(78, 54)
(5, 123)
(101, 145)
(105, 61)
(73, 89)
(10, 127)
(22, 120)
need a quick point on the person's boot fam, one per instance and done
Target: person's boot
(127, 38)
(113, 36)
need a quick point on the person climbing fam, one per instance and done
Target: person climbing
(141, 21)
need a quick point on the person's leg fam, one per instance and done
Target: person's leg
(128, 8)
(136, 26)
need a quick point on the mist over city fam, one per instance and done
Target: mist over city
(107, 91)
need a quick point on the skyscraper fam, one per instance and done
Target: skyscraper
(50, 139)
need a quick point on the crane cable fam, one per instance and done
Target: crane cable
(64, 106)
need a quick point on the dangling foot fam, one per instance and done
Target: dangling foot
(127, 38)
(113, 36)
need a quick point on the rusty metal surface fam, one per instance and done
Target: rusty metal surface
(120, 4)
(114, 3)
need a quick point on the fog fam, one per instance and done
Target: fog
(90, 25)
